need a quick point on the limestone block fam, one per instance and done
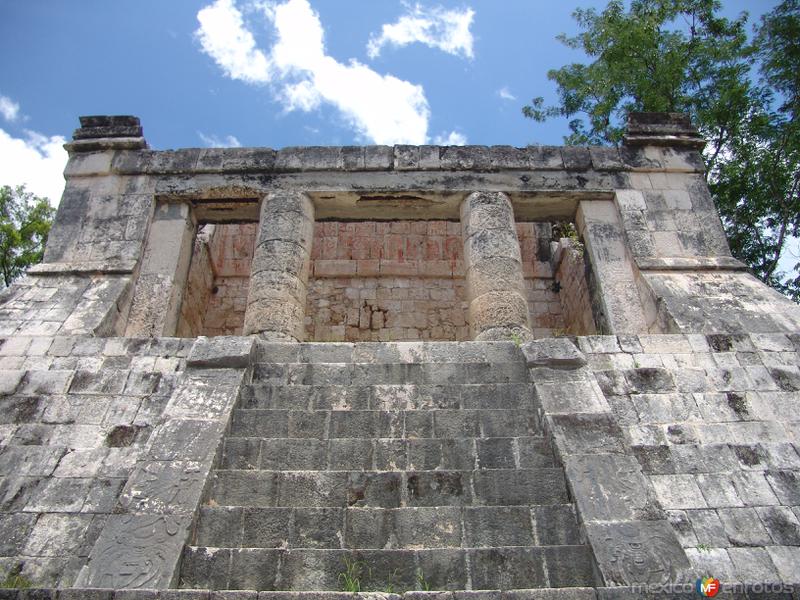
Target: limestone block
(89, 163)
(491, 210)
(606, 159)
(309, 158)
(288, 226)
(682, 160)
(464, 157)
(429, 158)
(9, 380)
(278, 285)
(131, 161)
(175, 161)
(641, 158)
(136, 551)
(638, 552)
(507, 157)
(495, 274)
(67, 225)
(630, 200)
(163, 488)
(210, 160)
(281, 256)
(378, 158)
(243, 160)
(545, 157)
(608, 487)
(559, 352)
(221, 352)
(576, 158)
(286, 200)
(285, 319)
(498, 309)
(568, 397)
(492, 243)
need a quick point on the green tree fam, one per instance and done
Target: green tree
(682, 56)
(25, 221)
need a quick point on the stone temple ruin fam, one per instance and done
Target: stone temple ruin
(302, 372)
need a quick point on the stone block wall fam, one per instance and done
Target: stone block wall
(231, 254)
(544, 304)
(76, 413)
(386, 309)
(576, 302)
(381, 281)
(712, 421)
(404, 280)
(215, 298)
(197, 294)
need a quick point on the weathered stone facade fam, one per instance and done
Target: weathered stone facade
(282, 372)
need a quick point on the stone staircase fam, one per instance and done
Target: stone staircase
(387, 467)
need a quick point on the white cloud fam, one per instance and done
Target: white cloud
(453, 138)
(381, 108)
(8, 108)
(447, 30)
(301, 96)
(506, 94)
(223, 37)
(37, 162)
(214, 141)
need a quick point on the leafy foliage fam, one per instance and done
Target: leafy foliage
(25, 221)
(681, 56)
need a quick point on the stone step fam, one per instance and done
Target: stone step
(389, 373)
(388, 352)
(396, 528)
(505, 567)
(300, 454)
(439, 423)
(388, 489)
(387, 397)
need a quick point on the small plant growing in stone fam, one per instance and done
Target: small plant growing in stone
(424, 586)
(390, 584)
(704, 547)
(566, 229)
(516, 338)
(350, 578)
(13, 580)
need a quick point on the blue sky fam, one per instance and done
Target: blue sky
(278, 72)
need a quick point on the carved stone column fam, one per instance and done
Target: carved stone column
(276, 301)
(498, 309)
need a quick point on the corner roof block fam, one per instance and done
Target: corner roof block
(662, 129)
(107, 132)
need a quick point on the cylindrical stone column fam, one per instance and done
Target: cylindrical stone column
(498, 309)
(276, 302)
